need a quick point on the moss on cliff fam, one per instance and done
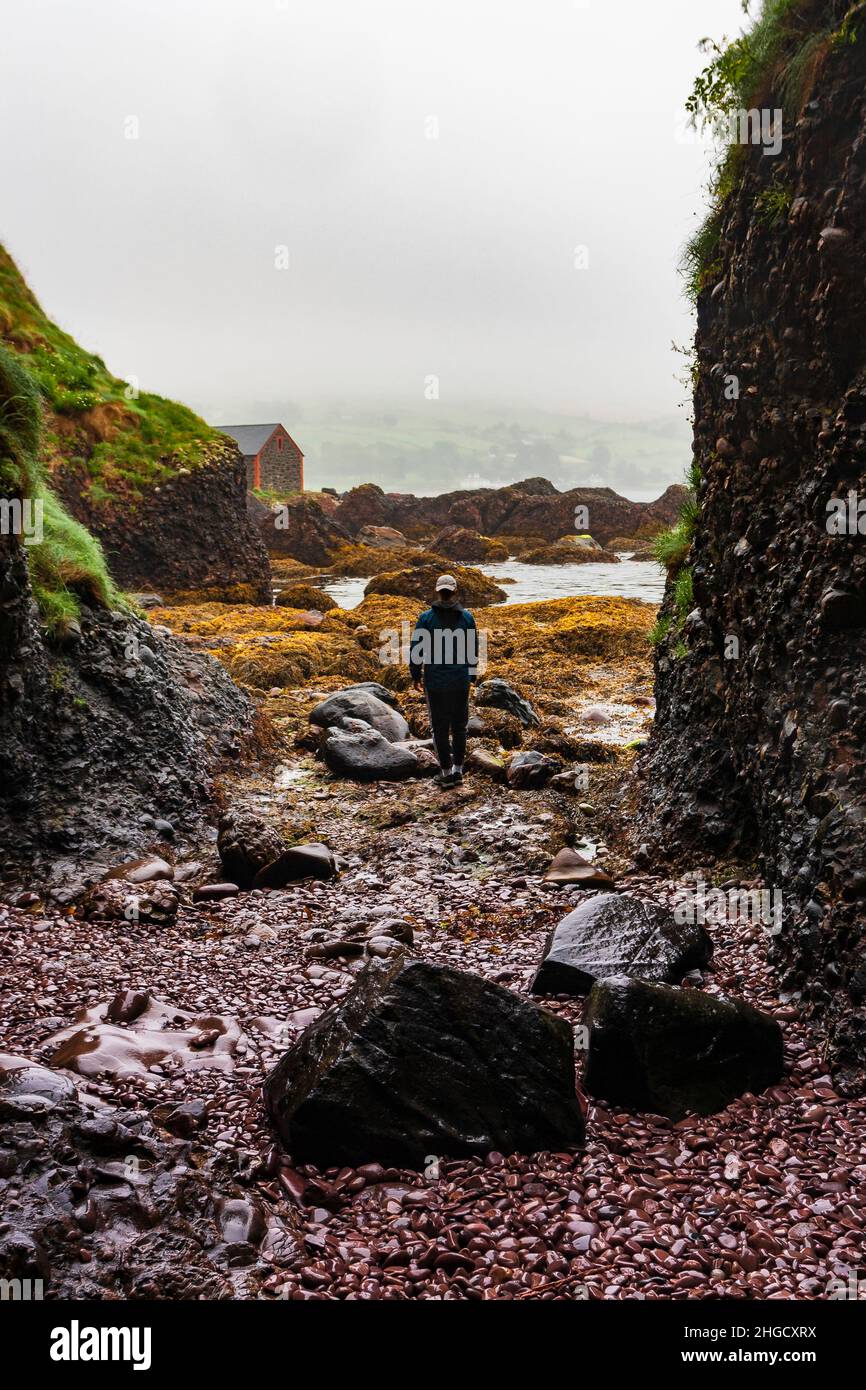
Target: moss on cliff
(66, 563)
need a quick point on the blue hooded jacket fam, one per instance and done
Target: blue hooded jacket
(445, 646)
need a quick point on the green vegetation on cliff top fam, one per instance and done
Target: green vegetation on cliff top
(123, 440)
(773, 64)
(67, 564)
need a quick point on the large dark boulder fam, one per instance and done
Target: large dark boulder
(669, 1051)
(362, 704)
(530, 769)
(374, 688)
(365, 505)
(245, 844)
(360, 752)
(461, 543)
(615, 935)
(498, 694)
(422, 1060)
(296, 863)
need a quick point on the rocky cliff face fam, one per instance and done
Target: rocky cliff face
(760, 735)
(110, 729)
(531, 508)
(189, 532)
(101, 734)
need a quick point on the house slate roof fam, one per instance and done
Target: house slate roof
(249, 438)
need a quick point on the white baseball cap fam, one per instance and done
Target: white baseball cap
(446, 581)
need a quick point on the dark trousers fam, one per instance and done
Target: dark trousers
(449, 715)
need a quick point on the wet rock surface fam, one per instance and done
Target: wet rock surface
(359, 751)
(297, 862)
(361, 704)
(246, 843)
(530, 769)
(498, 694)
(569, 867)
(617, 935)
(422, 1059)
(671, 1051)
(121, 727)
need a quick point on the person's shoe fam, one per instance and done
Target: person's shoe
(444, 779)
(456, 774)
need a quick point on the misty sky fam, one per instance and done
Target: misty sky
(306, 124)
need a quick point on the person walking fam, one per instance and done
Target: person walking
(444, 656)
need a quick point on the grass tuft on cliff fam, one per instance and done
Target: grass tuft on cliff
(127, 440)
(774, 63)
(20, 415)
(672, 546)
(67, 565)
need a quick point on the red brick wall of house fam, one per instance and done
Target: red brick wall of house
(281, 464)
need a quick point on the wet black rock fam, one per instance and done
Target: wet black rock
(530, 769)
(298, 862)
(381, 692)
(362, 753)
(498, 694)
(186, 1119)
(670, 1051)
(420, 1059)
(28, 1089)
(842, 610)
(358, 703)
(615, 935)
(246, 843)
(79, 1168)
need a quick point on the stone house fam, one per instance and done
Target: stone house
(274, 461)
